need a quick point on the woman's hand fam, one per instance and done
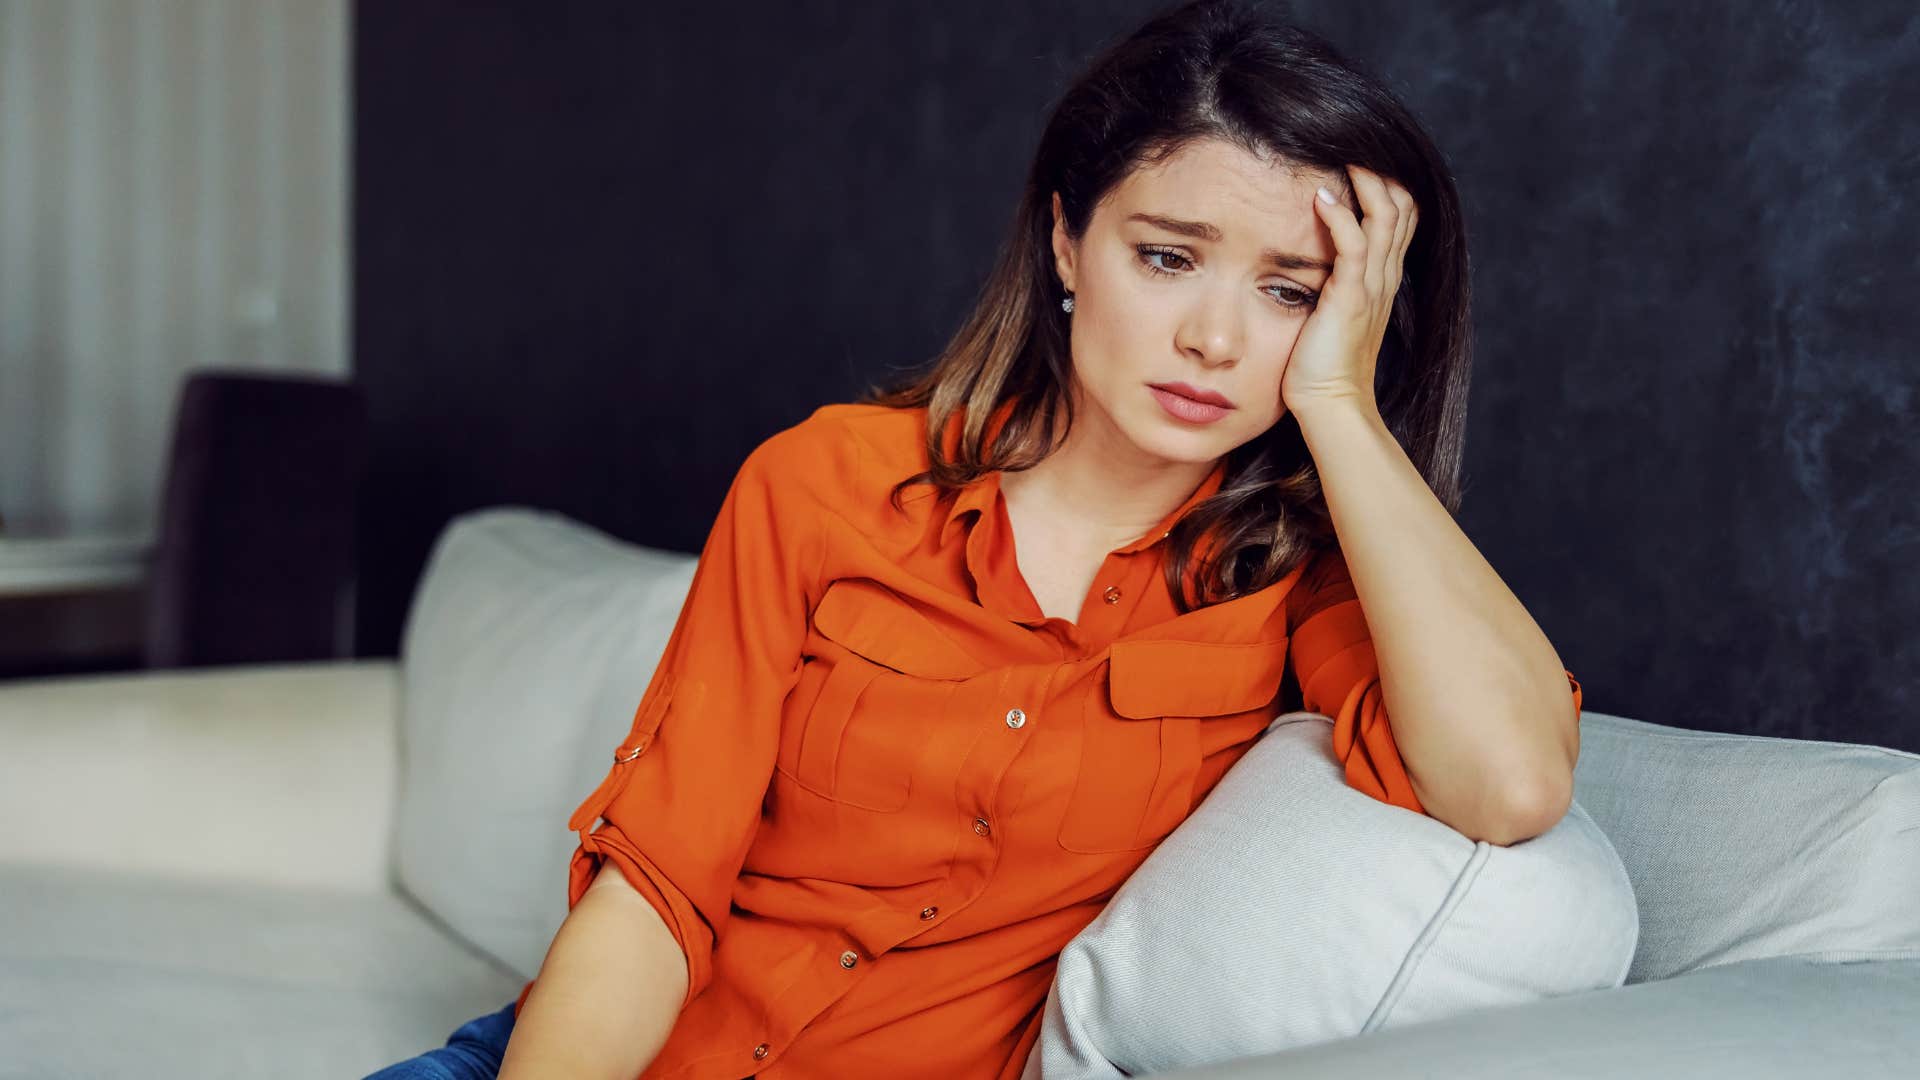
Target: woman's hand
(1335, 355)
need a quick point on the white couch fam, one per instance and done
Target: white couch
(316, 870)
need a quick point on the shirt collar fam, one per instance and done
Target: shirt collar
(979, 493)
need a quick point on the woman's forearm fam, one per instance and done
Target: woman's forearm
(1481, 708)
(607, 994)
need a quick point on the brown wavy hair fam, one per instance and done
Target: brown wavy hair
(1226, 69)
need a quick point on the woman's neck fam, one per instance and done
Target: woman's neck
(1099, 480)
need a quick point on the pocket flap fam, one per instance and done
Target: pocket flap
(1149, 679)
(884, 627)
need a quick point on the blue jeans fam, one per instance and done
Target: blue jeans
(473, 1052)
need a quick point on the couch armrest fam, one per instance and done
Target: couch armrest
(274, 774)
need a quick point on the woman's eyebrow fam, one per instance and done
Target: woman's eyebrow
(1201, 230)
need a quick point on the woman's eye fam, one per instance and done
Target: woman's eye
(1291, 297)
(1285, 295)
(1148, 254)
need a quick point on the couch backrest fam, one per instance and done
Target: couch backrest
(533, 636)
(1740, 846)
(526, 647)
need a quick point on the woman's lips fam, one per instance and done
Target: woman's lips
(1185, 408)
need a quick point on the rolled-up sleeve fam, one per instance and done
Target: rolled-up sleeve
(1339, 675)
(1334, 663)
(681, 803)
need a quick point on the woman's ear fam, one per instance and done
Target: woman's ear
(1063, 247)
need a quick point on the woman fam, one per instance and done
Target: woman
(894, 758)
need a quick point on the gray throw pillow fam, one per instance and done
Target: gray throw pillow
(530, 640)
(1292, 909)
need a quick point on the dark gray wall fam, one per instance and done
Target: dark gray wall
(602, 251)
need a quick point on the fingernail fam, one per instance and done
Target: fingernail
(1326, 196)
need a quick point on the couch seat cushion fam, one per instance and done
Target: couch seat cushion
(1768, 1019)
(116, 974)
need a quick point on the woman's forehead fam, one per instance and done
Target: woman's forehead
(1247, 198)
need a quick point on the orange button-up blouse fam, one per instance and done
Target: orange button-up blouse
(873, 791)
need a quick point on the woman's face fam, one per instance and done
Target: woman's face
(1199, 270)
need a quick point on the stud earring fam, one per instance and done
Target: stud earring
(1067, 303)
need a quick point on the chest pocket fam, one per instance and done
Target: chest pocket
(854, 728)
(1140, 748)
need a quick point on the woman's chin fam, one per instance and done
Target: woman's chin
(1171, 440)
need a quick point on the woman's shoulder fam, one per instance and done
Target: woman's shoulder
(843, 455)
(893, 434)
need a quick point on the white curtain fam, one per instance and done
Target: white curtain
(172, 195)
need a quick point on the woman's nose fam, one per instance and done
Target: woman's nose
(1213, 328)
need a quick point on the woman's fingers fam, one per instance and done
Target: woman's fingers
(1409, 220)
(1385, 198)
(1381, 224)
(1347, 287)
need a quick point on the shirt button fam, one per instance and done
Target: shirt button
(849, 958)
(760, 1051)
(1112, 595)
(929, 912)
(1016, 718)
(980, 826)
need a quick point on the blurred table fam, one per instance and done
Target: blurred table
(80, 562)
